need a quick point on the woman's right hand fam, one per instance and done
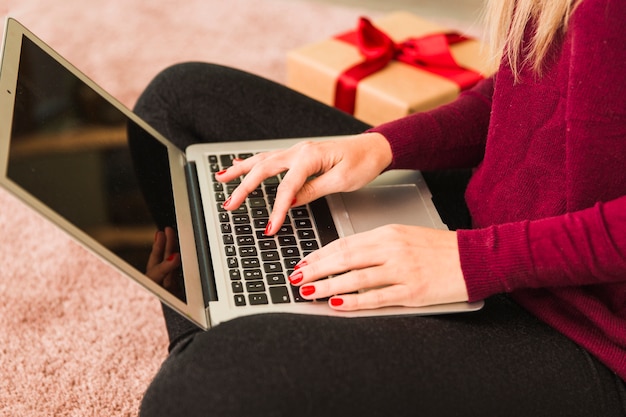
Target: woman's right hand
(164, 259)
(313, 169)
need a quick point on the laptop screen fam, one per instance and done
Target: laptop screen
(83, 158)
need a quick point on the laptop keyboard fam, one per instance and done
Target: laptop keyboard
(258, 265)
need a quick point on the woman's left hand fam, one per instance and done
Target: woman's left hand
(399, 266)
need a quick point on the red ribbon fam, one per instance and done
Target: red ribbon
(430, 53)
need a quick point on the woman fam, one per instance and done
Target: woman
(547, 248)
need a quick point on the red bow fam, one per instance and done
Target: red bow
(430, 53)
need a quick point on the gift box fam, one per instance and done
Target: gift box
(387, 69)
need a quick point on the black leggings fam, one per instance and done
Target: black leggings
(500, 361)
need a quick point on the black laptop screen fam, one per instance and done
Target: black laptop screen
(83, 158)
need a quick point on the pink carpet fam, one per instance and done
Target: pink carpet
(76, 337)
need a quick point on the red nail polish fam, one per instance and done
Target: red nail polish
(293, 202)
(222, 172)
(268, 228)
(307, 290)
(295, 278)
(227, 202)
(336, 302)
(171, 257)
(300, 265)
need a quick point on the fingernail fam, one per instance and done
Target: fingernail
(293, 202)
(227, 202)
(307, 290)
(295, 278)
(222, 172)
(171, 257)
(336, 301)
(299, 265)
(268, 228)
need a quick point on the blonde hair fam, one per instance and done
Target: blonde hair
(506, 23)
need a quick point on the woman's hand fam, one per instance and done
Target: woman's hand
(164, 259)
(399, 266)
(314, 169)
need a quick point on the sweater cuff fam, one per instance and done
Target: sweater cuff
(494, 260)
(400, 134)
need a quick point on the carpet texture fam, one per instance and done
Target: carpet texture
(76, 337)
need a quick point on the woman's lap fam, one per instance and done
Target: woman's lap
(498, 361)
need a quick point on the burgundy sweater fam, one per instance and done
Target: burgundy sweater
(548, 198)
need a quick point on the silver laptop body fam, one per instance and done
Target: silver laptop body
(76, 155)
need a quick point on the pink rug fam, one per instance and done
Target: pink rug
(76, 337)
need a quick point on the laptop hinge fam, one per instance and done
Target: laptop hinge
(205, 263)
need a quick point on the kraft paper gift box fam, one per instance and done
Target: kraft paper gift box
(398, 88)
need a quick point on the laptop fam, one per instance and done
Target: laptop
(77, 156)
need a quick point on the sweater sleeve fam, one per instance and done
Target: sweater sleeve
(451, 136)
(582, 248)
(586, 246)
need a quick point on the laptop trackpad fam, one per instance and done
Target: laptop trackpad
(375, 206)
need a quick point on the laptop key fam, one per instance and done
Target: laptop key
(245, 240)
(252, 274)
(300, 212)
(240, 300)
(275, 279)
(267, 244)
(287, 240)
(272, 267)
(230, 250)
(227, 160)
(257, 202)
(309, 245)
(241, 219)
(306, 234)
(260, 223)
(249, 263)
(255, 286)
(303, 224)
(279, 295)
(243, 229)
(259, 212)
(237, 287)
(290, 252)
(290, 263)
(285, 230)
(270, 256)
(247, 251)
(257, 193)
(258, 299)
